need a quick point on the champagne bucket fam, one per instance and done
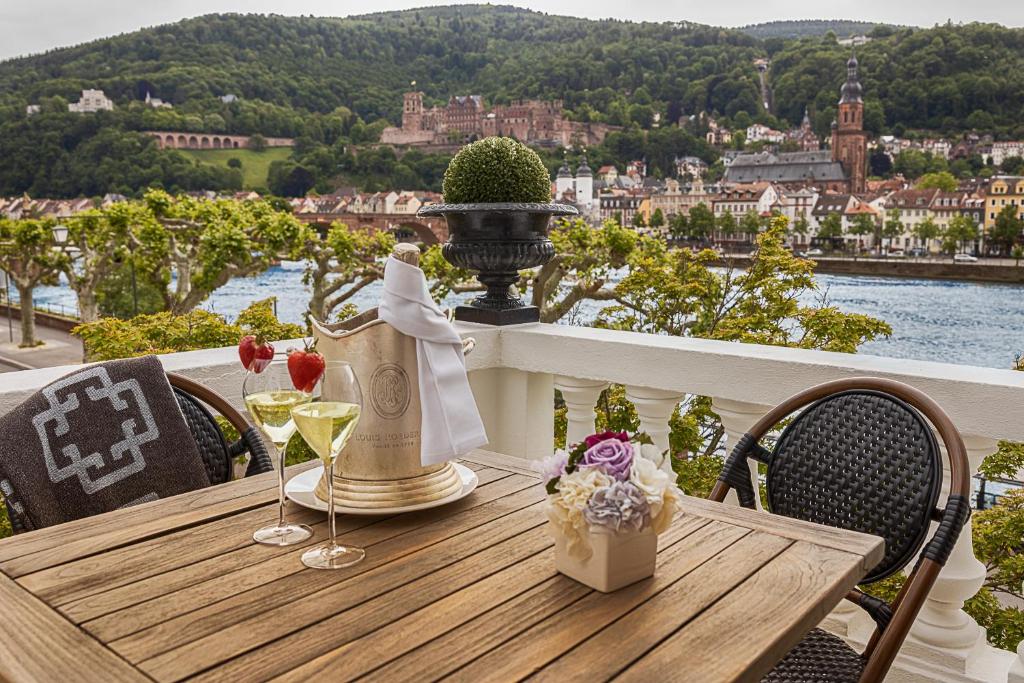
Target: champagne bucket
(380, 467)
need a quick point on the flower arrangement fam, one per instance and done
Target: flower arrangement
(608, 482)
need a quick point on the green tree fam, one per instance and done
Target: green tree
(863, 225)
(98, 241)
(638, 220)
(165, 332)
(1007, 229)
(831, 229)
(893, 226)
(926, 231)
(30, 257)
(657, 219)
(801, 226)
(341, 264)
(206, 243)
(702, 221)
(726, 223)
(750, 223)
(958, 233)
(1017, 253)
(943, 180)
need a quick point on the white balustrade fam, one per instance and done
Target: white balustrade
(1017, 668)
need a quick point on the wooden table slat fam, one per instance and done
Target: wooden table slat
(40, 645)
(804, 582)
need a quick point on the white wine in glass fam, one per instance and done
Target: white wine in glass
(270, 397)
(326, 425)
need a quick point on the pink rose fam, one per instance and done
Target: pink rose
(604, 436)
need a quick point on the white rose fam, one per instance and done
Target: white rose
(566, 505)
(659, 488)
(657, 456)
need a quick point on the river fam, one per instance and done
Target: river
(967, 323)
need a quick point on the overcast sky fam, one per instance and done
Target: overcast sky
(38, 25)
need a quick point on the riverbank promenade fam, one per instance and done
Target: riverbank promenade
(59, 347)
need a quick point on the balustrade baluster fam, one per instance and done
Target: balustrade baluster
(580, 396)
(942, 622)
(654, 408)
(737, 418)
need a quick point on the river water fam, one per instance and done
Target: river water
(966, 323)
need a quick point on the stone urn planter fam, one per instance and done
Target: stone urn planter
(498, 208)
(496, 240)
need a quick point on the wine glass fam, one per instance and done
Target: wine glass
(326, 425)
(270, 396)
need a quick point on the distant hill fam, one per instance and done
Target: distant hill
(809, 27)
(334, 83)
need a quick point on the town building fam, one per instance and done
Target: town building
(911, 207)
(91, 101)
(761, 133)
(1001, 151)
(804, 136)
(790, 169)
(32, 109)
(676, 198)
(690, 167)
(156, 102)
(576, 189)
(1003, 191)
(717, 135)
(849, 140)
(623, 205)
(466, 118)
(848, 207)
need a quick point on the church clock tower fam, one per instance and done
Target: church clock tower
(849, 141)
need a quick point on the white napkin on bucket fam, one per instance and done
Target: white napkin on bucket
(451, 424)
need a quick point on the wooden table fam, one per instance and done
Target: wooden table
(177, 589)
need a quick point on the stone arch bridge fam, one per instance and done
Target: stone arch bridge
(172, 140)
(406, 227)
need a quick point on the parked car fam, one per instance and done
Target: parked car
(810, 253)
(897, 253)
(964, 258)
(918, 252)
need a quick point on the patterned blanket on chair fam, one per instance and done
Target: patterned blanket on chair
(108, 436)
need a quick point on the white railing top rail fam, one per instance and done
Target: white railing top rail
(981, 401)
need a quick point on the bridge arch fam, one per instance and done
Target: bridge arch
(193, 142)
(422, 231)
(169, 141)
(182, 142)
(216, 143)
(206, 142)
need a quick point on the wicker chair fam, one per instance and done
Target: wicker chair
(862, 456)
(218, 455)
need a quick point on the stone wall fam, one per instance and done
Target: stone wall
(929, 270)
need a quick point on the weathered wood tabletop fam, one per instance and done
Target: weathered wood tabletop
(176, 589)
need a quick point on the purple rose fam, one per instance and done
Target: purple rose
(613, 456)
(595, 439)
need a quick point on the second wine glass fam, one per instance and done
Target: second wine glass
(326, 425)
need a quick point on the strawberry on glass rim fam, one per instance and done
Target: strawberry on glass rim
(306, 367)
(255, 353)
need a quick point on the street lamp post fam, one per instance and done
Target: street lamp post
(135, 291)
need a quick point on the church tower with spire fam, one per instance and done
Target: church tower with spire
(849, 141)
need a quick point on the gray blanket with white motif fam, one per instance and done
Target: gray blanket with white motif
(108, 436)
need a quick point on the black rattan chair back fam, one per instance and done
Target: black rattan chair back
(861, 455)
(860, 460)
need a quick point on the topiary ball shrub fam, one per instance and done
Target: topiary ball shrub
(496, 170)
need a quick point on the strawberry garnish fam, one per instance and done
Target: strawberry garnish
(306, 367)
(255, 353)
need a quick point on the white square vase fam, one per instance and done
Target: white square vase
(618, 559)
